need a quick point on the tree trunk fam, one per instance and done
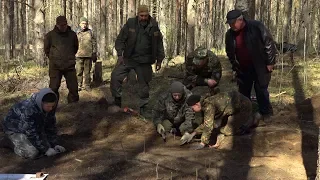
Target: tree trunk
(6, 38)
(121, 12)
(2, 23)
(85, 8)
(287, 23)
(154, 9)
(178, 23)
(131, 8)
(39, 32)
(191, 9)
(79, 9)
(304, 23)
(71, 12)
(184, 25)
(11, 27)
(23, 26)
(115, 20)
(247, 7)
(64, 7)
(90, 17)
(102, 32)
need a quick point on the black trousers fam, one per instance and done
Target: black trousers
(249, 78)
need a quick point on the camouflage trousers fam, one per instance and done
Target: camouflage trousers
(22, 146)
(182, 127)
(229, 124)
(83, 67)
(71, 80)
(144, 76)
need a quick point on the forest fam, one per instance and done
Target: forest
(103, 144)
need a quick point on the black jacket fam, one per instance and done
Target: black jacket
(126, 40)
(260, 45)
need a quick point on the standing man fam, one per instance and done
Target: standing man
(251, 51)
(203, 68)
(86, 54)
(60, 46)
(139, 45)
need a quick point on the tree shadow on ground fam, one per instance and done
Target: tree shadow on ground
(306, 121)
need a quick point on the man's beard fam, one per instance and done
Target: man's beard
(144, 23)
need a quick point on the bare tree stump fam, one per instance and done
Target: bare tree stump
(97, 73)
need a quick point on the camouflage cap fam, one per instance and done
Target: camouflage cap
(199, 54)
(83, 19)
(143, 8)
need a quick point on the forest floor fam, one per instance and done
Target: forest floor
(104, 145)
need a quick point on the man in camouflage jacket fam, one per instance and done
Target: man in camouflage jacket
(60, 46)
(86, 54)
(203, 68)
(30, 125)
(231, 112)
(171, 113)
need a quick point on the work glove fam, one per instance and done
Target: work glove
(51, 152)
(120, 60)
(186, 138)
(160, 129)
(197, 146)
(59, 149)
(94, 57)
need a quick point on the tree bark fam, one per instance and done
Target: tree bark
(154, 9)
(64, 7)
(39, 32)
(191, 9)
(304, 23)
(23, 26)
(71, 12)
(287, 23)
(85, 8)
(131, 8)
(178, 23)
(11, 27)
(121, 12)
(7, 31)
(247, 7)
(103, 26)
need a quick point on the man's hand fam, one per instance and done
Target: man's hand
(197, 146)
(120, 61)
(158, 66)
(160, 129)
(186, 138)
(59, 149)
(94, 57)
(211, 82)
(270, 68)
(51, 152)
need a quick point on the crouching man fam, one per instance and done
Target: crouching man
(171, 113)
(230, 113)
(30, 126)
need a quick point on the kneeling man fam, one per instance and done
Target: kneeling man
(30, 126)
(230, 112)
